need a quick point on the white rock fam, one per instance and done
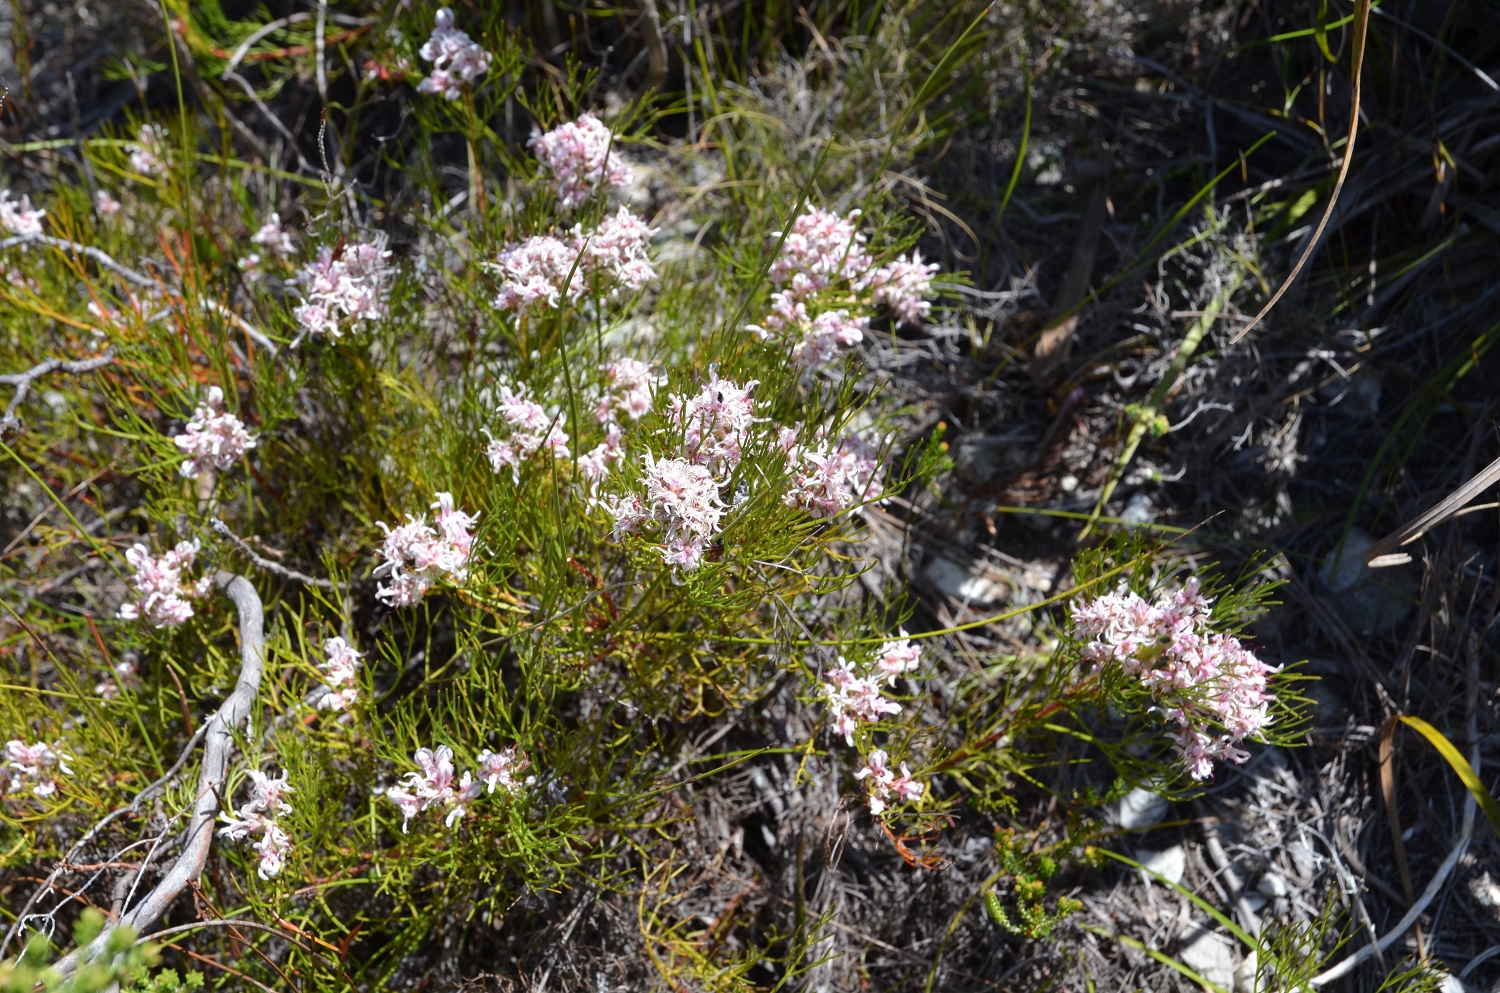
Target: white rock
(1369, 601)
(1209, 954)
(1485, 891)
(1170, 864)
(1245, 976)
(1141, 808)
(1272, 886)
(961, 584)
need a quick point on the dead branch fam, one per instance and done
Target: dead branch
(218, 738)
(222, 530)
(22, 381)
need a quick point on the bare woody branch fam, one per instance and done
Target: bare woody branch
(23, 381)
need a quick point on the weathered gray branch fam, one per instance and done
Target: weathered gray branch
(22, 382)
(218, 744)
(222, 530)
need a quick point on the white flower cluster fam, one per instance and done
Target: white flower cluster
(163, 588)
(579, 156)
(214, 438)
(33, 766)
(417, 556)
(274, 237)
(530, 429)
(543, 271)
(682, 494)
(341, 665)
(820, 250)
(148, 153)
(344, 286)
(594, 464)
(456, 58)
(830, 479)
(854, 699)
(18, 216)
(258, 816)
(436, 785)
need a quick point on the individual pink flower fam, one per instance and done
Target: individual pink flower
(884, 784)
(125, 675)
(107, 206)
(594, 466)
(266, 802)
(273, 847)
(528, 430)
(456, 58)
(715, 423)
(214, 438)
(164, 591)
(903, 285)
(19, 217)
(416, 556)
(579, 157)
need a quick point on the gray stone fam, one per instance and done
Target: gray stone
(1209, 954)
(965, 584)
(1140, 808)
(1169, 864)
(1370, 601)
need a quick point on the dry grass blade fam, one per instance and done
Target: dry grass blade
(1383, 553)
(1393, 818)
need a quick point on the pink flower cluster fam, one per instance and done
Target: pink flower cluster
(823, 249)
(683, 500)
(163, 589)
(456, 58)
(541, 270)
(417, 556)
(828, 480)
(885, 784)
(214, 438)
(715, 423)
(349, 286)
(544, 270)
(125, 675)
(579, 157)
(853, 698)
(630, 383)
(273, 237)
(107, 206)
(1208, 684)
(531, 429)
(826, 337)
(497, 770)
(435, 785)
(33, 765)
(897, 657)
(341, 665)
(258, 816)
(19, 217)
(820, 249)
(902, 285)
(617, 249)
(594, 465)
(148, 153)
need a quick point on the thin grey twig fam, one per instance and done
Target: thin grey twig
(222, 530)
(22, 381)
(97, 255)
